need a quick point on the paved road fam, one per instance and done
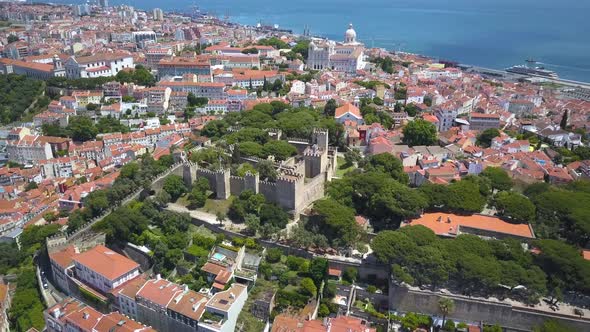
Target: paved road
(45, 293)
(206, 217)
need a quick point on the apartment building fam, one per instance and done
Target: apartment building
(481, 121)
(178, 66)
(61, 261)
(71, 315)
(199, 89)
(104, 269)
(28, 150)
(223, 309)
(98, 65)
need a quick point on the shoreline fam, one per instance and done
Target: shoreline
(560, 80)
(186, 11)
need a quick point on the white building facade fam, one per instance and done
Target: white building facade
(345, 57)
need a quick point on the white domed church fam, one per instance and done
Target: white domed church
(345, 57)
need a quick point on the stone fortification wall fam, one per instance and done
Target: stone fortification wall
(138, 255)
(219, 181)
(237, 184)
(268, 189)
(512, 318)
(289, 191)
(313, 190)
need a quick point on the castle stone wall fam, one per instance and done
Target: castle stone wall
(237, 185)
(219, 181)
(313, 190)
(510, 317)
(269, 190)
(252, 182)
(289, 192)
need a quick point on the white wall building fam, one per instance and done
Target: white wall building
(104, 269)
(29, 149)
(347, 57)
(99, 65)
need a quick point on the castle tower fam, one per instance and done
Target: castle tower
(320, 138)
(252, 182)
(222, 182)
(290, 191)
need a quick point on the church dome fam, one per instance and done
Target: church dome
(350, 35)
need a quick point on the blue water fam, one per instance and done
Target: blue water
(218, 257)
(490, 33)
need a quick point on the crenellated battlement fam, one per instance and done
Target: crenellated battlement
(268, 183)
(212, 172)
(313, 151)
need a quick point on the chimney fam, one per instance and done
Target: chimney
(448, 220)
(85, 315)
(232, 296)
(439, 219)
(158, 277)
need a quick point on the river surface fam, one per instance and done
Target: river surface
(489, 33)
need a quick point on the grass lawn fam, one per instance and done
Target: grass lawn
(246, 320)
(197, 251)
(364, 306)
(183, 200)
(214, 206)
(343, 167)
(200, 230)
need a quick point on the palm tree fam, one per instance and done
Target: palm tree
(446, 307)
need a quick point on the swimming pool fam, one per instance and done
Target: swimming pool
(218, 257)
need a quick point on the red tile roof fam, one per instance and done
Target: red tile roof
(115, 322)
(85, 318)
(493, 224)
(65, 257)
(160, 291)
(348, 108)
(349, 324)
(106, 262)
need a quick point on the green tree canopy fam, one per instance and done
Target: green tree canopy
(250, 149)
(553, 326)
(514, 206)
(336, 222)
(485, 138)
(389, 164)
(498, 177)
(281, 150)
(420, 132)
(82, 128)
(174, 185)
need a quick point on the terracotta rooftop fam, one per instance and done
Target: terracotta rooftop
(85, 319)
(450, 224)
(160, 291)
(65, 257)
(130, 288)
(106, 262)
(349, 324)
(348, 108)
(482, 115)
(115, 322)
(224, 300)
(189, 304)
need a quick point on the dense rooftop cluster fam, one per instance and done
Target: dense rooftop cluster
(175, 173)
